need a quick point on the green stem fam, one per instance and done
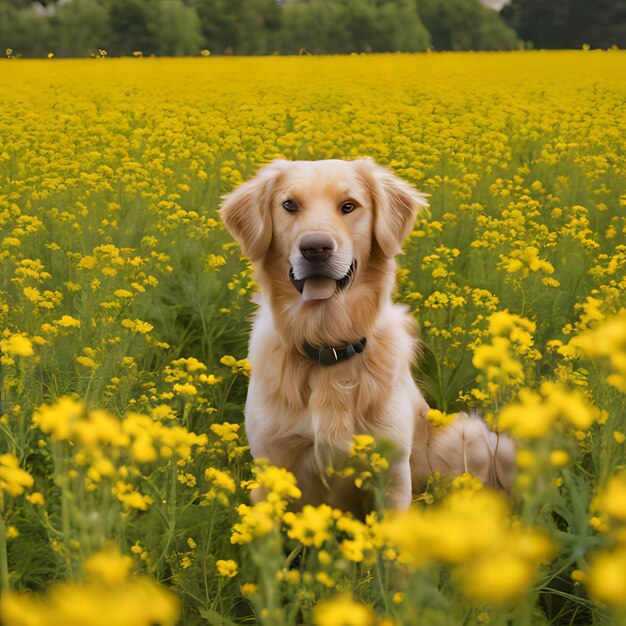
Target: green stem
(293, 554)
(383, 593)
(225, 397)
(171, 510)
(4, 560)
(87, 391)
(218, 595)
(61, 471)
(207, 549)
(266, 562)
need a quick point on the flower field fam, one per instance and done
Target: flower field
(125, 308)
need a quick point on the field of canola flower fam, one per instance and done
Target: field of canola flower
(124, 313)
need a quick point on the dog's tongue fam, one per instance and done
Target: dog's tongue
(318, 288)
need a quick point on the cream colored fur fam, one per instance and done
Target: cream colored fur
(301, 415)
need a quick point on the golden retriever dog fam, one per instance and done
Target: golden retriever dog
(331, 353)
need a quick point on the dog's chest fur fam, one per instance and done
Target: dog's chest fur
(327, 405)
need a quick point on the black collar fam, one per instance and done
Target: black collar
(331, 355)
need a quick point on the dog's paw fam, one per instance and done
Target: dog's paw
(467, 445)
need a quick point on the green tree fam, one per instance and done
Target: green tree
(29, 33)
(322, 27)
(465, 25)
(8, 21)
(130, 22)
(399, 28)
(240, 26)
(23, 4)
(343, 26)
(569, 23)
(176, 29)
(81, 26)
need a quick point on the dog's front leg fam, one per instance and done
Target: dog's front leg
(399, 494)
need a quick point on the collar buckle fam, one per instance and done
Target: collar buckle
(329, 355)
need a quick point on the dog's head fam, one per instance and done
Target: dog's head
(322, 220)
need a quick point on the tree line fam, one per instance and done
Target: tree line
(77, 28)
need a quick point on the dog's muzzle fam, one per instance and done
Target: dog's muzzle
(320, 287)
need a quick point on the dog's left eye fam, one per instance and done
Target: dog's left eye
(347, 207)
(290, 205)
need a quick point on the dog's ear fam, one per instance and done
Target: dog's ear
(396, 204)
(247, 212)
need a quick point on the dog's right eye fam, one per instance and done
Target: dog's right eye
(290, 206)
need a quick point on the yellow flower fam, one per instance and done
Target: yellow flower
(222, 485)
(256, 521)
(59, 418)
(67, 321)
(17, 345)
(132, 499)
(612, 498)
(13, 479)
(278, 483)
(311, 526)
(514, 327)
(359, 542)
(361, 443)
(248, 589)
(446, 533)
(87, 362)
(137, 326)
(526, 261)
(535, 413)
(36, 498)
(32, 293)
(325, 579)
(529, 417)
(571, 405)
(466, 481)
(107, 596)
(439, 418)
(12, 532)
(215, 260)
(559, 458)
(108, 566)
(185, 389)
(143, 450)
(502, 576)
(606, 579)
(342, 610)
(227, 569)
(211, 379)
(226, 431)
(498, 362)
(607, 343)
(228, 360)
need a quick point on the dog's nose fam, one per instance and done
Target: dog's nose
(316, 247)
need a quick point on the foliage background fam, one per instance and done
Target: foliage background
(79, 28)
